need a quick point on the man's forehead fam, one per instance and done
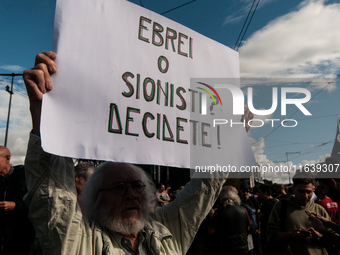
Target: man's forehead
(121, 172)
(4, 151)
(302, 186)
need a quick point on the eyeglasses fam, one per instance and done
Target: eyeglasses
(120, 188)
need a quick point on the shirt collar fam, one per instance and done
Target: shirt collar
(119, 237)
(125, 244)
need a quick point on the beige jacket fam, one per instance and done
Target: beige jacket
(62, 229)
(296, 218)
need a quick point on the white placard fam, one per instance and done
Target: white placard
(122, 93)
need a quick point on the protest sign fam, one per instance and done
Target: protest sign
(122, 90)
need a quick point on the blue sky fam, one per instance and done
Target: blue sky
(297, 41)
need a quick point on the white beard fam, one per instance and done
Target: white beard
(111, 219)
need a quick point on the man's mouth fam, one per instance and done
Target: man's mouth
(131, 209)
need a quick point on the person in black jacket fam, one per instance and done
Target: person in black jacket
(265, 195)
(230, 224)
(16, 231)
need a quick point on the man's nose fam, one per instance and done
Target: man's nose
(130, 193)
(307, 195)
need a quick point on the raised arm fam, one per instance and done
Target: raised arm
(38, 82)
(50, 180)
(184, 215)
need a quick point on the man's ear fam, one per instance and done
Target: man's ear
(77, 178)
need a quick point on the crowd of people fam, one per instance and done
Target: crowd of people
(271, 220)
(50, 206)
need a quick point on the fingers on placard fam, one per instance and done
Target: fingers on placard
(47, 58)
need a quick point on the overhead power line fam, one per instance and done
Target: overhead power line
(244, 24)
(238, 42)
(288, 142)
(308, 150)
(178, 7)
(297, 110)
(141, 4)
(318, 117)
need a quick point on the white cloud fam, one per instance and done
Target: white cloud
(282, 175)
(12, 68)
(259, 119)
(264, 162)
(232, 19)
(19, 127)
(18, 148)
(244, 10)
(319, 160)
(258, 149)
(303, 43)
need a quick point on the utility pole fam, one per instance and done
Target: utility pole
(10, 101)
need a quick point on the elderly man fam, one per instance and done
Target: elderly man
(15, 228)
(230, 224)
(116, 201)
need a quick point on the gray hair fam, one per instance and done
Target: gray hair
(229, 196)
(91, 200)
(84, 169)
